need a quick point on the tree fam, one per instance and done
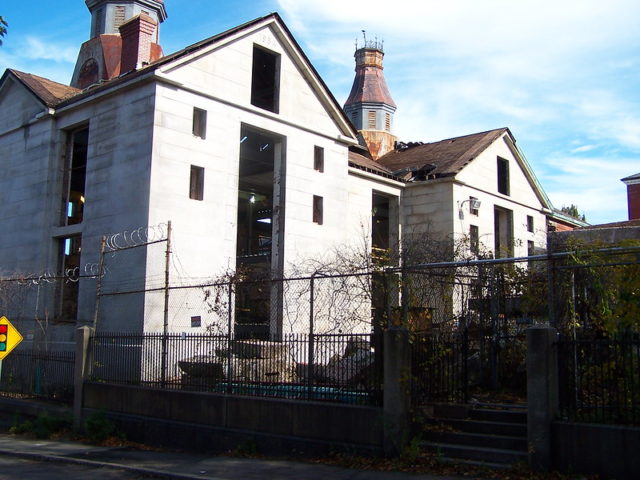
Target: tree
(3, 28)
(573, 211)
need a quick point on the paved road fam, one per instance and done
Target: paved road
(63, 460)
(13, 468)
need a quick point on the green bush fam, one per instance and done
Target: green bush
(98, 428)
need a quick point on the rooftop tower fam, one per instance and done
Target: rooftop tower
(125, 35)
(370, 106)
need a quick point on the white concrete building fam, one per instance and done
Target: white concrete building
(239, 143)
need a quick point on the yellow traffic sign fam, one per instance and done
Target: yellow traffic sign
(9, 337)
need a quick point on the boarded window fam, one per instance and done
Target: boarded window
(317, 210)
(371, 119)
(265, 78)
(98, 22)
(199, 128)
(318, 159)
(196, 183)
(503, 176)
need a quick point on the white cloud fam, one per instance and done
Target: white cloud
(35, 48)
(584, 148)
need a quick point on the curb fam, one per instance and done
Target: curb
(151, 472)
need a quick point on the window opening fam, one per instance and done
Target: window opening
(387, 122)
(503, 176)
(318, 159)
(318, 212)
(265, 79)
(380, 216)
(529, 223)
(199, 128)
(258, 199)
(196, 321)
(473, 206)
(75, 176)
(69, 270)
(503, 232)
(474, 239)
(196, 183)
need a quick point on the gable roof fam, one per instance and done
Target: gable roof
(446, 157)
(320, 86)
(50, 93)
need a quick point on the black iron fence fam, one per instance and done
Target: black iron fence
(39, 374)
(600, 380)
(331, 367)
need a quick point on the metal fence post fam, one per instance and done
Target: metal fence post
(81, 371)
(229, 327)
(165, 326)
(96, 312)
(310, 353)
(551, 282)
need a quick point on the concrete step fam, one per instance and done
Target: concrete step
(503, 442)
(503, 416)
(484, 427)
(473, 453)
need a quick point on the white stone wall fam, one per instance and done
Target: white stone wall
(204, 232)
(480, 179)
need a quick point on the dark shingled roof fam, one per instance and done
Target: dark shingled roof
(49, 92)
(365, 163)
(624, 223)
(447, 156)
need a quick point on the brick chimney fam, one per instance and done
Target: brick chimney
(633, 195)
(137, 42)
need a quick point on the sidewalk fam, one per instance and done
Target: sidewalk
(190, 466)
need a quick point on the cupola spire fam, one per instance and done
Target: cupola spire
(109, 52)
(370, 106)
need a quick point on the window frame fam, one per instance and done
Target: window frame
(503, 176)
(199, 124)
(474, 239)
(318, 159)
(270, 101)
(196, 183)
(318, 210)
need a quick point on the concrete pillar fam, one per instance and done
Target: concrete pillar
(397, 390)
(542, 394)
(81, 371)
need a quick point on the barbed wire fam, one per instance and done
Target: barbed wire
(137, 238)
(89, 270)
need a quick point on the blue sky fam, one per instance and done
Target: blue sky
(563, 75)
